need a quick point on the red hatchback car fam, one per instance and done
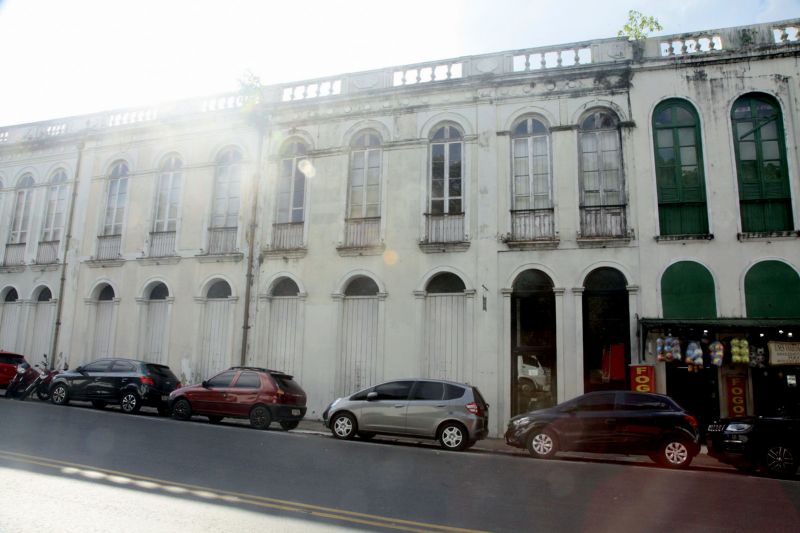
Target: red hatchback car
(8, 367)
(264, 396)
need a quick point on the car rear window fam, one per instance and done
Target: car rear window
(248, 380)
(451, 392)
(160, 371)
(10, 359)
(287, 383)
(479, 397)
(428, 390)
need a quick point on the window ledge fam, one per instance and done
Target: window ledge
(537, 244)
(289, 253)
(45, 267)
(767, 235)
(229, 257)
(12, 268)
(441, 247)
(353, 251)
(104, 263)
(686, 237)
(162, 260)
(603, 242)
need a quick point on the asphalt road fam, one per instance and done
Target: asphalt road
(79, 469)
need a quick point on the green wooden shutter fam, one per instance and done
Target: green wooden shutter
(772, 290)
(687, 291)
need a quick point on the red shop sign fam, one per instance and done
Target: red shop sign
(736, 387)
(643, 378)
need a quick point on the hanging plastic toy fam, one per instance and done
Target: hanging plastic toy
(717, 352)
(676, 349)
(694, 356)
(660, 350)
(740, 351)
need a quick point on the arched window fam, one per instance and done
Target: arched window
(361, 286)
(44, 295)
(22, 210)
(227, 177)
(292, 182)
(531, 188)
(772, 290)
(168, 194)
(159, 292)
(285, 287)
(117, 199)
(602, 184)
(445, 283)
(764, 196)
(55, 209)
(220, 289)
(106, 294)
(687, 291)
(364, 197)
(446, 195)
(679, 169)
(11, 295)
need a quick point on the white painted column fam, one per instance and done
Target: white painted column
(633, 327)
(419, 328)
(578, 299)
(561, 367)
(504, 366)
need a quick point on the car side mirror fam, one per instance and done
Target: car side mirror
(372, 396)
(80, 370)
(205, 384)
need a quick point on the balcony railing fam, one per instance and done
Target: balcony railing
(443, 228)
(603, 221)
(108, 246)
(47, 252)
(532, 225)
(221, 240)
(362, 232)
(287, 236)
(15, 254)
(162, 243)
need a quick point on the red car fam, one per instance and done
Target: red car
(264, 396)
(8, 367)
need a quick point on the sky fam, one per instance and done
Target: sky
(61, 58)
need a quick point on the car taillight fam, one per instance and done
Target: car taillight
(474, 408)
(147, 380)
(692, 420)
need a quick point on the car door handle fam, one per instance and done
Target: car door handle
(399, 406)
(441, 405)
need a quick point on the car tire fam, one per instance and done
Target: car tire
(543, 444)
(453, 436)
(182, 409)
(60, 394)
(675, 453)
(344, 426)
(98, 404)
(215, 419)
(260, 417)
(366, 435)
(130, 402)
(42, 394)
(288, 425)
(780, 460)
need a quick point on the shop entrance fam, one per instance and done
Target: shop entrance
(697, 392)
(533, 342)
(606, 331)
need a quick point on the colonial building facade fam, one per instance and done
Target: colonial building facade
(512, 220)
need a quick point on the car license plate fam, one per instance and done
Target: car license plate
(295, 412)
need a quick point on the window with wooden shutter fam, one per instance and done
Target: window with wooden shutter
(764, 197)
(682, 206)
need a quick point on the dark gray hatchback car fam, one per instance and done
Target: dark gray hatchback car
(453, 413)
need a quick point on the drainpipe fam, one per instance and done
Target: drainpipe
(67, 239)
(251, 238)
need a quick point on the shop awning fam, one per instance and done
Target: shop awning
(711, 323)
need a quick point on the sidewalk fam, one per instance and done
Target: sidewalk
(702, 462)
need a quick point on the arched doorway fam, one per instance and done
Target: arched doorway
(445, 329)
(9, 319)
(156, 324)
(359, 362)
(215, 336)
(42, 321)
(533, 342)
(606, 330)
(282, 342)
(102, 345)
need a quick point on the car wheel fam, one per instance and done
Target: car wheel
(130, 402)
(453, 436)
(365, 435)
(182, 410)
(780, 460)
(98, 404)
(215, 419)
(543, 444)
(42, 394)
(344, 426)
(60, 395)
(288, 425)
(260, 417)
(675, 453)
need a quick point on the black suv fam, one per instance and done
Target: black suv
(610, 422)
(771, 443)
(126, 382)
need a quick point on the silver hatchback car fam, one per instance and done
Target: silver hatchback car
(455, 414)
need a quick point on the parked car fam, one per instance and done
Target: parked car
(126, 382)
(771, 443)
(8, 367)
(455, 414)
(610, 422)
(264, 396)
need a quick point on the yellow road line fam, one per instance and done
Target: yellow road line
(261, 501)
